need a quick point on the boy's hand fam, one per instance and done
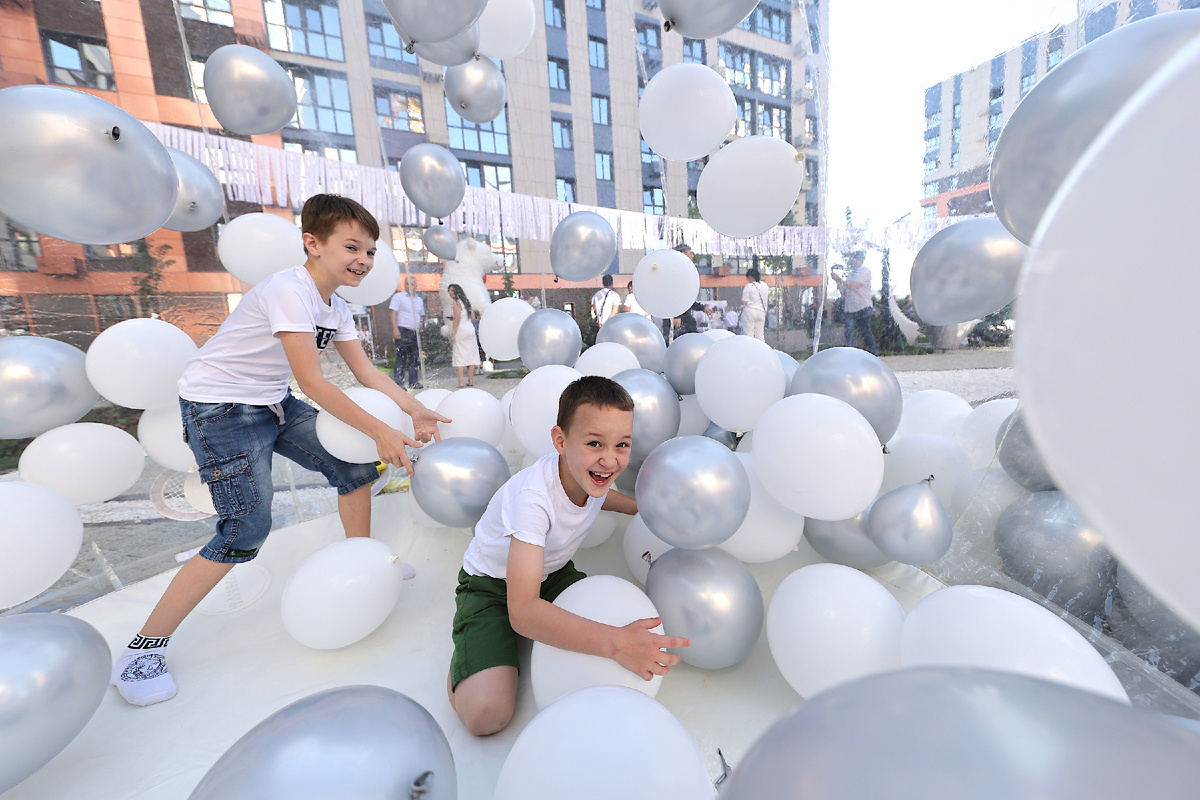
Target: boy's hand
(391, 444)
(425, 424)
(641, 652)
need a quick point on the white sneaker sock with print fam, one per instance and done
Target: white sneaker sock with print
(140, 673)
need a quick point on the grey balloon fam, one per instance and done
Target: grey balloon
(712, 599)
(77, 168)
(476, 90)
(694, 492)
(966, 271)
(910, 525)
(704, 19)
(201, 200)
(441, 241)
(718, 434)
(458, 49)
(1019, 457)
(1163, 627)
(1045, 544)
(433, 179)
(365, 742)
(549, 336)
(857, 378)
(54, 671)
(790, 365)
(656, 411)
(454, 480)
(582, 246)
(679, 364)
(943, 733)
(248, 91)
(43, 384)
(640, 335)
(433, 20)
(1061, 116)
(845, 542)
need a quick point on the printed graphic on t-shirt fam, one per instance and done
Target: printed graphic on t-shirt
(324, 336)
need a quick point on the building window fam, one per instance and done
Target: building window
(991, 148)
(693, 50)
(931, 167)
(600, 109)
(323, 101)
(486, 137)
(558, 74)
(956, 136)
(648, 155)
(930, 212)
(814, 37)
(996, 93)
(931, 189)
(489, 176)
(78, 61)
(604, 166)
(408, 246)
(995, 121)
(812, 215)
(649, 37)
(399, 110)
(735, 63)
(196, 69)
(770, 22)
(1027, 82)
(698, 164)
(1053, 57)
(304, 26)
(954, 159)
(560, 130)
(933, 121)
(596, 4)
(114, 308)
(933, 144)
(384, 42)
(957, 112)
(566, 189)
(773, 76)
(653, 201)
(598, 53)
(744, 126)
(217, 12)
(555, 14)
(19, 250)
(774, 121)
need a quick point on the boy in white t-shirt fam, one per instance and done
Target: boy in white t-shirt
(519, 561)
(237, 411)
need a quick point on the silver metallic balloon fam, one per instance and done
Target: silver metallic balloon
(910, 525)
(966, 271)
(364, 742)
(248, 91)
(711, 598)
(1046, 545)
(78, 168)
(458, 49)
(454, 480)
(704, 19)
(640, 335)
(477, 90)
(441, 241)
(54, 671)
(582, 246)
(1059, 118)
(694, 492)
(1019, 457)
(656, 411)
(857, 378)
(1163, 627)
(973, 730)
(433, 20)
(433, 179)
(43, 384)
(718, 434)
(683, 355)
(549, 336)
(845, 541)
(201, 200)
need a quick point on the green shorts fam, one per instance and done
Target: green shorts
(483, 637)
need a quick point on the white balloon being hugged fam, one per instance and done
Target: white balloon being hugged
(160, 432)
(749, 185)
(685, 113)
(378, 285)
(499, 326)
(137, 363)
(258, 244)
(40, 538)
(535, 406)
(473, 413)
(666, 282)
(85, 462)
(346, 442)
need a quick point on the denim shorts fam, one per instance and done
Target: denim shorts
(233, 444)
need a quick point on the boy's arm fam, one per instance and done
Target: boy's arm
(634, 647)
(424, 419)
(621, 503)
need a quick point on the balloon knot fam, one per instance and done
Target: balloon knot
(647, 558)
(667, 25)
(114, 132)
(411, 48)
(928, 480)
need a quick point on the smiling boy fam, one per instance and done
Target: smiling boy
(519, 561)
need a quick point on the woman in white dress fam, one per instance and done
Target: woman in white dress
(754, 304)
(464, 345)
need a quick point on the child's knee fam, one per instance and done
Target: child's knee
(485, 716)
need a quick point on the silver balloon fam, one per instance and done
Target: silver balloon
(845, 542)
(441, 241)
(679, 364)
(1019, 457)
(248, 91)
(43, 384)
(910, 525)
(1059, 118)
(857, 378)
(582, 246)
(454, 480)
(704, 19)
(695, 493)
(656, 411)
(458, 49)
(54, 671)
(477, 90)
(640, 335)
(549, 336)
(201, 200)
(718, 434)
(973, 730)
(433, 179)
(1046, 545)
(78, 168)
(710, 597)
(1163, 626)
(364, 742)
(433, 20)
(966, 271)
(790, 365)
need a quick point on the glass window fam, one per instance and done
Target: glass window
(954, 159)
(930, 212)
(566, 189)
(649, 36)
(399, 110)
(217, 12)
(774, 121)
(497, 177)
(19, 250)
(486, 137)
(558, 74)
(648, 155)
(12, 314)
(931, 189)
(304, 26)
(596, 4)
(995, 121)
(770, 22)
(653, 201)
(323, 101)
(1027, 82)
(693, 50)
(114, 308)
(932, 145)
(560, 130)
(933, 121)
(555, 14)
(1053, 57)
(744, 126)
(931, 167)
(773, 76)
(956, 135)
(600, 109)
(734, 61)
(598, 53)
(957, 111)
(196, 68)
(78, 61)
(812, 215)
(384, 42)
(604, 166)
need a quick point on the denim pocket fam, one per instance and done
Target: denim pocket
(231, 483)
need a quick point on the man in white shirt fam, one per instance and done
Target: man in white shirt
(631, 304)
(408, 316)
(605, 302)
(858, 306)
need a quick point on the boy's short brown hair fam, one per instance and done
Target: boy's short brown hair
(591, 390)
(322, 213)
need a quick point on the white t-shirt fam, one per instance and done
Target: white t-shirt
(754, 295)
(633, 305)
(533, 507)
(604, 304)
(858, 298)
(409, 309)
(244, 361)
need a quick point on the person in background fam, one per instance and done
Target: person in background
(754, 304)
(700, 314)
(408, 316)
(731, 320)
(605, 302)
(671, 328)
(858, 304)
(631, 304)
(463, 342)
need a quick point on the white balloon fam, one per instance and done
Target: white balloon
(666, 282)
(40, 538)
(432, 398)
(749, 185)
(258, 244)
(977, 435)
(499, 325)
(692, 421)
(606, 599)
(828, 624)
(638, 541)
(342, 593)
(535, 406)
(196, 492)
(474, 413)
(160, 432)
(378, 285)
(915, 457)
(770, 531)
(347, 442)
(818, 456)
(932, 411)
(85, 462)
(685, 113)
(737, 379)
(602, 529)
(606, 359)
(510, 446)
(506, 27)
(137, 363)
(986, 628)
(717, 334)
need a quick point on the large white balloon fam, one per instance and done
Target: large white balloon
(749, 185)
(378, 285)
(977, 436)
(606, 359)
(137, 363)
(770, 530)
(638, 542)
(499, 326)
(915, 457)
(346, 442)
(160, 432)
(258, 244)
(85, 462)
(506, 27)
(737, 379)
(933, 411)
(40, 538)
(535, 406)
(248, 91)
(474, 413)
(692, 421)
(666, 281)
(685, 113)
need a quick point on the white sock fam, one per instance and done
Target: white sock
(140, 673)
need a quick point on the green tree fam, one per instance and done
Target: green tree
(148, 264)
